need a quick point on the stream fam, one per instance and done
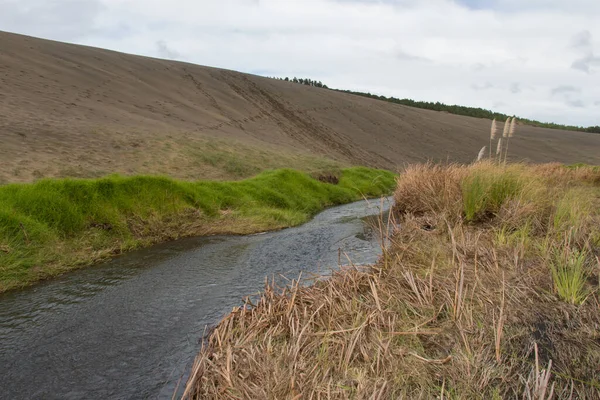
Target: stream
(131, 327)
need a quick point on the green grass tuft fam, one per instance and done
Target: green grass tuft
(484, 193)
(569, 274)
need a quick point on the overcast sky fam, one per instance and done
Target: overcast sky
(534, 58)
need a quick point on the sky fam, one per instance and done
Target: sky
(539, 59)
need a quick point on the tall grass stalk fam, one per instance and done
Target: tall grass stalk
(481, 154)
(537, 384)
(505, 132)
(506, 128)
(511, 133)
(499, 149)
(493, 131)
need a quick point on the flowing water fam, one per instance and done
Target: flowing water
(130, 328)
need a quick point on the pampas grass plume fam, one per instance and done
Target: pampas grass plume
(493, 130)
(506, 127)
(481, 153)
(513, 127)
(499, 148)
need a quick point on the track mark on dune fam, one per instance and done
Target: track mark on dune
(314, 130)
(308, 132)
(213, 102)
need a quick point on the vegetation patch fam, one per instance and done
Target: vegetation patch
(488, 289)
(53, 226)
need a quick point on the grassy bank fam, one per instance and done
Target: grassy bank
(53, 226)
(489, 289)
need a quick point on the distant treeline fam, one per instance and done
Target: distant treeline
(472, 112)
(449, 108)
(302, 81)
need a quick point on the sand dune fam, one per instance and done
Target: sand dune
(69, 110)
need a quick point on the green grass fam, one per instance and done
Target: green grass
(573, 209)
(569, 274)
(53, 226)
(485, 193)
(582, 165)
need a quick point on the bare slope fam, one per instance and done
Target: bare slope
(69, 110)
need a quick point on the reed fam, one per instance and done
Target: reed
(506, 128)
(493, 132)
(503, 142)
(510, 133)
(499, 149)
(481, 154)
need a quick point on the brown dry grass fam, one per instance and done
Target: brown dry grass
(455, 309)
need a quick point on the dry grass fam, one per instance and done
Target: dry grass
(455, 309)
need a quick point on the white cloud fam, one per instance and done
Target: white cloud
(164, 51)
(582, 40)
(565, 90)
(436, 50)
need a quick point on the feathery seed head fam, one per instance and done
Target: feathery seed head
(506, 127)
(499, 148)
(513, 127)
(481, 153)
(493, 130)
